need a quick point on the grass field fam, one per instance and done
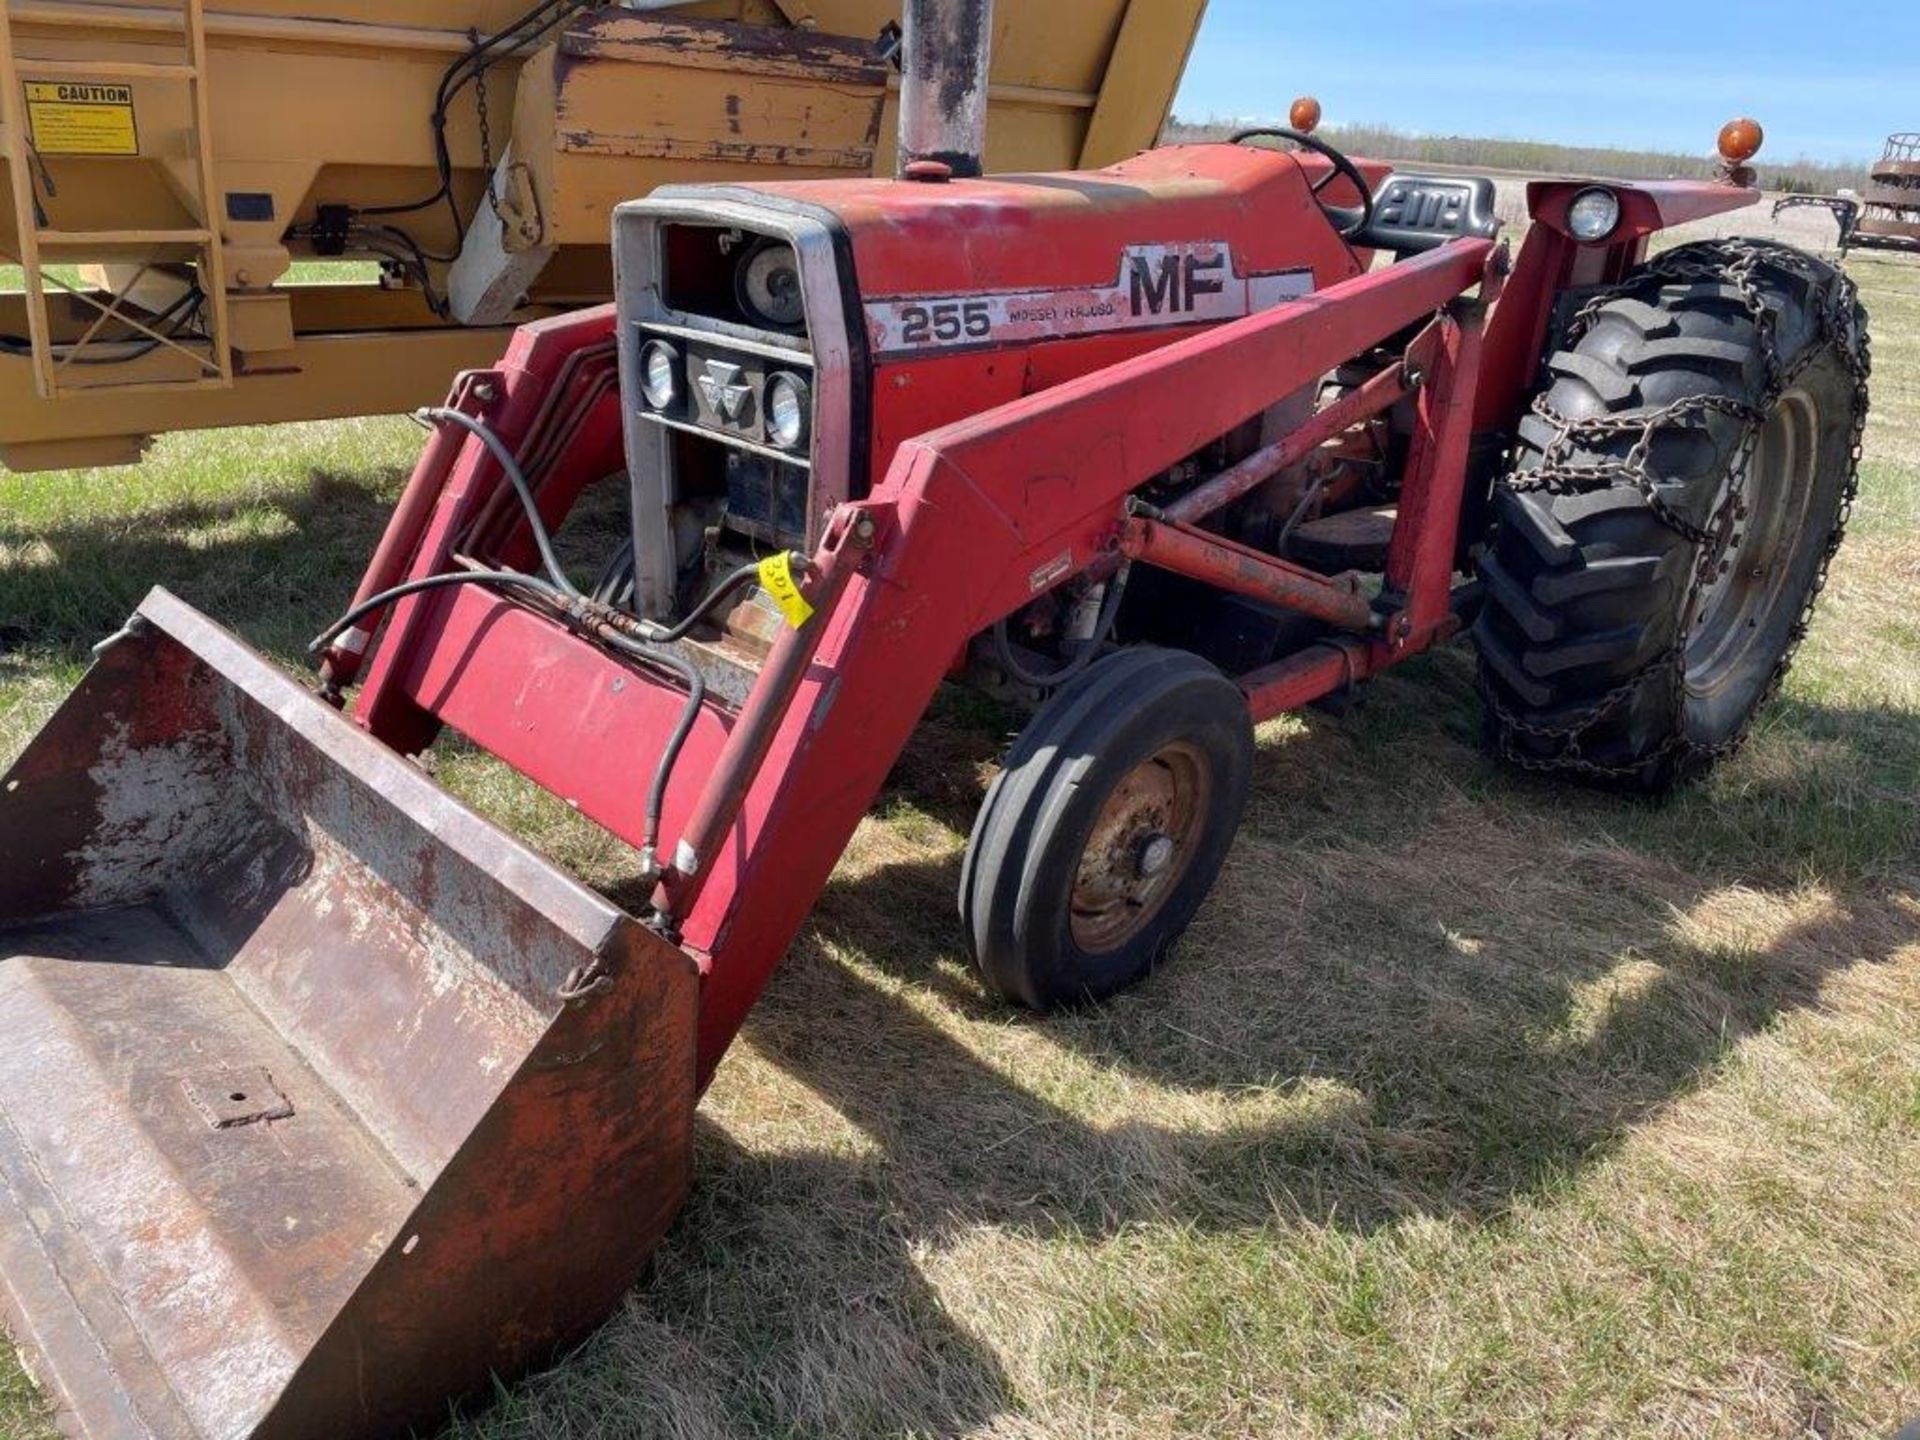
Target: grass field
(1471, 1107)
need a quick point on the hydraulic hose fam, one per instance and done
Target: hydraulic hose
(456, 78)
(614, 585)
(682, 732)
(561, 591)
(543, 539)
(746, 575)
(1299, 513)
(176, 317)
(324, 640)
(517, 477)
(1102, 630)
(646, 654)
(535, 25)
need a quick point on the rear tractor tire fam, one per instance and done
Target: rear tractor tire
(1107, 828)
(1677, 492)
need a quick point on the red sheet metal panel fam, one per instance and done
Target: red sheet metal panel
(578, 722)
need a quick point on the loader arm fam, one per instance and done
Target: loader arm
(971, 520)
(967, 525)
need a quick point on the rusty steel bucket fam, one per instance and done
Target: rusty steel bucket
(298, 1136)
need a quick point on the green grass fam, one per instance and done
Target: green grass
(301, 272)
(1472, 1106)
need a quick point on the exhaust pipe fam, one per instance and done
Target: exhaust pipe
(946, 54)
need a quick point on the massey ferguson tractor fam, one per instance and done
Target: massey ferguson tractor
(322, 1100)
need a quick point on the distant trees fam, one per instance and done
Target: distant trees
(1802, 176)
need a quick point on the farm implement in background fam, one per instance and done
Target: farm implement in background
(168, 163)
(1887, 215)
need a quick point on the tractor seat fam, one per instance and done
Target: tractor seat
(1413, 214)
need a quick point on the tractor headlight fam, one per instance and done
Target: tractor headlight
(660, 375)
(768, 287)
(1593, 215)
(789, 408)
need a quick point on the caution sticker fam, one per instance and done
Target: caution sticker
(77, 118)
(776, 577)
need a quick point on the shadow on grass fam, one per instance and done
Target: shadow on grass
(276, 562)
(1512, 974)
(1456, 988)
(1426, 988)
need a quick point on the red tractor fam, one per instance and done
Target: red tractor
(322, 1099)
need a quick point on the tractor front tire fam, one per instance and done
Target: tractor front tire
(1110, 823)
(1676, 494)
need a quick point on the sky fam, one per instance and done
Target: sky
(1829, 79)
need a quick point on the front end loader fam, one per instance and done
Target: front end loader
(321, 1100)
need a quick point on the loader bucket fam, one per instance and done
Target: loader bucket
(297, 1137)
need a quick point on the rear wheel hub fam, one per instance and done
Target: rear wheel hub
(1751, 572)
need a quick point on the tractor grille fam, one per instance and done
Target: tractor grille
(733, 348)
(736, 431)
(723, 391)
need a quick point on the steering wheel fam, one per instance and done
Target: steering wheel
(1349, 223)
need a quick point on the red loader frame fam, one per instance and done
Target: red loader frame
(968, 524)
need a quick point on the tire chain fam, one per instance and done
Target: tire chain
(1734, 262)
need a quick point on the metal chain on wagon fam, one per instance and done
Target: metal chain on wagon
(486, 138)
(1735, 263)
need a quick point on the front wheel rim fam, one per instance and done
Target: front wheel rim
(1140, 848)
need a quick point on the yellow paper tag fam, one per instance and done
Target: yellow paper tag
(776, 576)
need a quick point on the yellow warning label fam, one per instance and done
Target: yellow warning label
(776, 575)
(76, 118)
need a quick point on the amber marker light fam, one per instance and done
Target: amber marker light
(1305, 115)
(1740, 140)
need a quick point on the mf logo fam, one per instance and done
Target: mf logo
(1152, 287)
(725, 391)
(1171, 283)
